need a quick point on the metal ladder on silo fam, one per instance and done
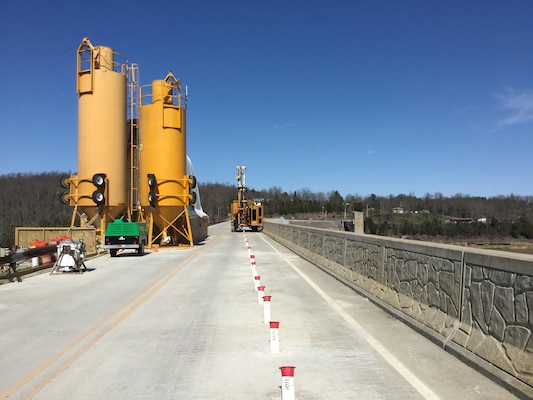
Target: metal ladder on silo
(133, 116)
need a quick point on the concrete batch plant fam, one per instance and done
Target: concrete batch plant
(132, 161)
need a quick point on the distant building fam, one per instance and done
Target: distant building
(398, 210)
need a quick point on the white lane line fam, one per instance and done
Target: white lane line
(416, 383)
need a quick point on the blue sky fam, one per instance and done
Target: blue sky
(370, 96)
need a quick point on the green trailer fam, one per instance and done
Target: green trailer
(121, 235)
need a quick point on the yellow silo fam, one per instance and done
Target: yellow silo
(164, 187)
(100, 188)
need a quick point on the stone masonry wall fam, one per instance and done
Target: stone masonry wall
(477, 304)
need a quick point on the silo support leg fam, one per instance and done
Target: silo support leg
(150, 232)
(183, 229)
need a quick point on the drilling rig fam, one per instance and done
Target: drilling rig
(245, 214)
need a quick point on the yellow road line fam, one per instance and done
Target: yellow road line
(92, 336)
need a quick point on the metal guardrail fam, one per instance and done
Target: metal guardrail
(15, 257)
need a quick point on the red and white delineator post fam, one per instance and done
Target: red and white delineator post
(253, 264)
(260, 294)
(287, 382)
(257, 282)
(274, 336)
(267, 310)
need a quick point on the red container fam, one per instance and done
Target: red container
(287, 371)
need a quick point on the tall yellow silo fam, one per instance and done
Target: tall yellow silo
(164, 188)
(100, 188)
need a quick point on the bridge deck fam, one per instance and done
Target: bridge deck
(186, 324)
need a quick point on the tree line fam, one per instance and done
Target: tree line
(30, 200)
(33, 200)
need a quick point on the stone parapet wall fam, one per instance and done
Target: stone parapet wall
(477, 304)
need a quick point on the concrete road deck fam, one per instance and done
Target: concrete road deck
(186, 324)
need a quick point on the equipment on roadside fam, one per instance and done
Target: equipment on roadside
(138, 133)
(121, 235)
(245, 214)
(70, 257)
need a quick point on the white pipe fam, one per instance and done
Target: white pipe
(287, 383)
(260, 294)
(267, 309)
(274, 336)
